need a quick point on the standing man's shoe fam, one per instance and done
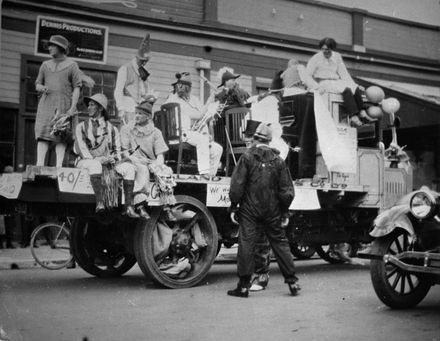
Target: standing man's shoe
(239, 292)
(294, 288)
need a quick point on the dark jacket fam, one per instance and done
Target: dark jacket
(261, 184)
(236, 97)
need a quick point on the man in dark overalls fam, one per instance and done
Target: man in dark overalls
(261, 192)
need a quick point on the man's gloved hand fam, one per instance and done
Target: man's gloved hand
(233, 209)
(233, 218)
(285, 220)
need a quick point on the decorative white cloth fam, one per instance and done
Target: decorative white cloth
(266, 111)
(338, 156)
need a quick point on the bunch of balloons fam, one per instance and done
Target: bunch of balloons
(381, 105)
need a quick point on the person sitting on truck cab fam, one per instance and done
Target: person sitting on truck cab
(97, 143)
(328, 69)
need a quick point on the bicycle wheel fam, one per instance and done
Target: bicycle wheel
(50, 246)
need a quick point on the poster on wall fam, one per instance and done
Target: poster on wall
(87, 42)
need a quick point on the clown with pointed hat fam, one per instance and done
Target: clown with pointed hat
(132, 86)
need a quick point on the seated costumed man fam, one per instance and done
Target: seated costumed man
(209, 152)
(231, 95)
(143, 147)
(98, 146)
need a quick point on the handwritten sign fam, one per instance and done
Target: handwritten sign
(217, 195)
(305, 199)
(74, 180)
(343, 178)
(10, 185)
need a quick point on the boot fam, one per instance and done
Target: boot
(128, 192)
(242, 289)
(143, 212)
(95, 179)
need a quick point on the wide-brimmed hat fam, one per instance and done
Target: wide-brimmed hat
(277, 82)
(59, 41)
(251, 127)
(101, 99)
(145, 107)
(144, 50)
(227, 75)
(183, 77)
(263, 132)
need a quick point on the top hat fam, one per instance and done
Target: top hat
(101, 99)
(59, 41)
(263, 132)
(145, 107)
(227, 75)
(184, 78)
(277, 82)
(143, 52)
(251, 127)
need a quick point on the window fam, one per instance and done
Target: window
(105, 82)
(7, 137)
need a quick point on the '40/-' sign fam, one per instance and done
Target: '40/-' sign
(74, 180)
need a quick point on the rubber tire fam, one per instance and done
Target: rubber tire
(34, 253)
(299, 253)
(144, 252)
(381, 284)
(86, 262)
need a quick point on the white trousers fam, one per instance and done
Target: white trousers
(208, 153)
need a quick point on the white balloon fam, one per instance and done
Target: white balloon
(374, 94)
(374, 112)
(390, 105)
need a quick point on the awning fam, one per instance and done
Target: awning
(419, 104)
(424, 92)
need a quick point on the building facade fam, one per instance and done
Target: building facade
(254, 37)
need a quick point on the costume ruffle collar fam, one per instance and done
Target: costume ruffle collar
(59, 64)
(145, 130)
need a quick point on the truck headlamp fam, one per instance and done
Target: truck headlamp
(423, 205)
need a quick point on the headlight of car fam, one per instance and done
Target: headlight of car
(423, 205)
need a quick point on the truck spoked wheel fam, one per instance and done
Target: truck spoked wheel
(100, 249)
(396, 288)
(177, 253)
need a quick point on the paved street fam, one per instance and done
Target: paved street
(336, 303)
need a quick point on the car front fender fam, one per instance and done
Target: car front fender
(389, 220)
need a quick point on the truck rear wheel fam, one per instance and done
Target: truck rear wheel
(177, 254)
(99, 249)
